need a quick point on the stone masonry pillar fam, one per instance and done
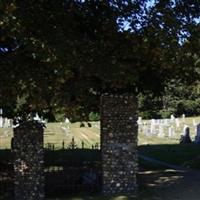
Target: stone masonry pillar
(29, 161)
(118, 144)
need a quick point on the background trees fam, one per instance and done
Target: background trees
(59, 56)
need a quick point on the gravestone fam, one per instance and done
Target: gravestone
(146, 130)
(118, 144)
(183, 118)
(171, 132)
(153, 126)
(140, 124)
(28, 161)
(166, 122)
(185, 138)
(161, 131)
(177, 123)
(139, 121)
(194, 122)
(1, 118)
(1, 122)
(197, 137)
(172, 118)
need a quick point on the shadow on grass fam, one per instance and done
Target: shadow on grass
(152, 178)
(120, 197)
(186, 155)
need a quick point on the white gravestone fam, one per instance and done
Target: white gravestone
(172, 118)
(166, 122)
(183, 117)
(147, 131)
(67, 122)
(177, 123)
(171, 132)
(7, 123)
(153, 126)
(1, 122)
(194, 122)
(161, 131)
(139, 121)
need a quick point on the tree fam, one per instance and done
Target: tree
(66, 53)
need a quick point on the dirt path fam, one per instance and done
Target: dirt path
(171, 184)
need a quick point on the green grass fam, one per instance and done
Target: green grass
(55, 133)
(163, 149)
(183, 155)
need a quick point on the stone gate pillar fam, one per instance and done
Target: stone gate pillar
(118, 144)
(29, 161)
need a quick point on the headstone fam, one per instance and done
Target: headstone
(194, 122)
(177, 123)
(146, 130)
(29, 161)
(139, 121)
(185, 138)
(171, 132)
(1, 122)
(166, 122)
(153, 126)
(67, 122)
(183, 117)
(1, 118)
(172, 118)
(197, 137)
(119, 144)
(161, 131)
(6, 122)
(36, 117)
(66, 130)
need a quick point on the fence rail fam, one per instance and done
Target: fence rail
(67, 171)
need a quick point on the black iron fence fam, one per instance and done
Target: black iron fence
(67, 171)
(71, 145)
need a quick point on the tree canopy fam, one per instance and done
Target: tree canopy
(65, 54)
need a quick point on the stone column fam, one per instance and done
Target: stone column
(29, 161)
(118, 144)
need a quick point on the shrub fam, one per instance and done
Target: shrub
(94, 116)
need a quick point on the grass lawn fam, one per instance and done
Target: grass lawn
(186, 155)
(56, 133)
(163, 149)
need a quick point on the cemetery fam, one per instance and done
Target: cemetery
(99, 100)
(161, 139)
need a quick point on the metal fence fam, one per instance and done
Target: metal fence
(70, 171)
(67, 171)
